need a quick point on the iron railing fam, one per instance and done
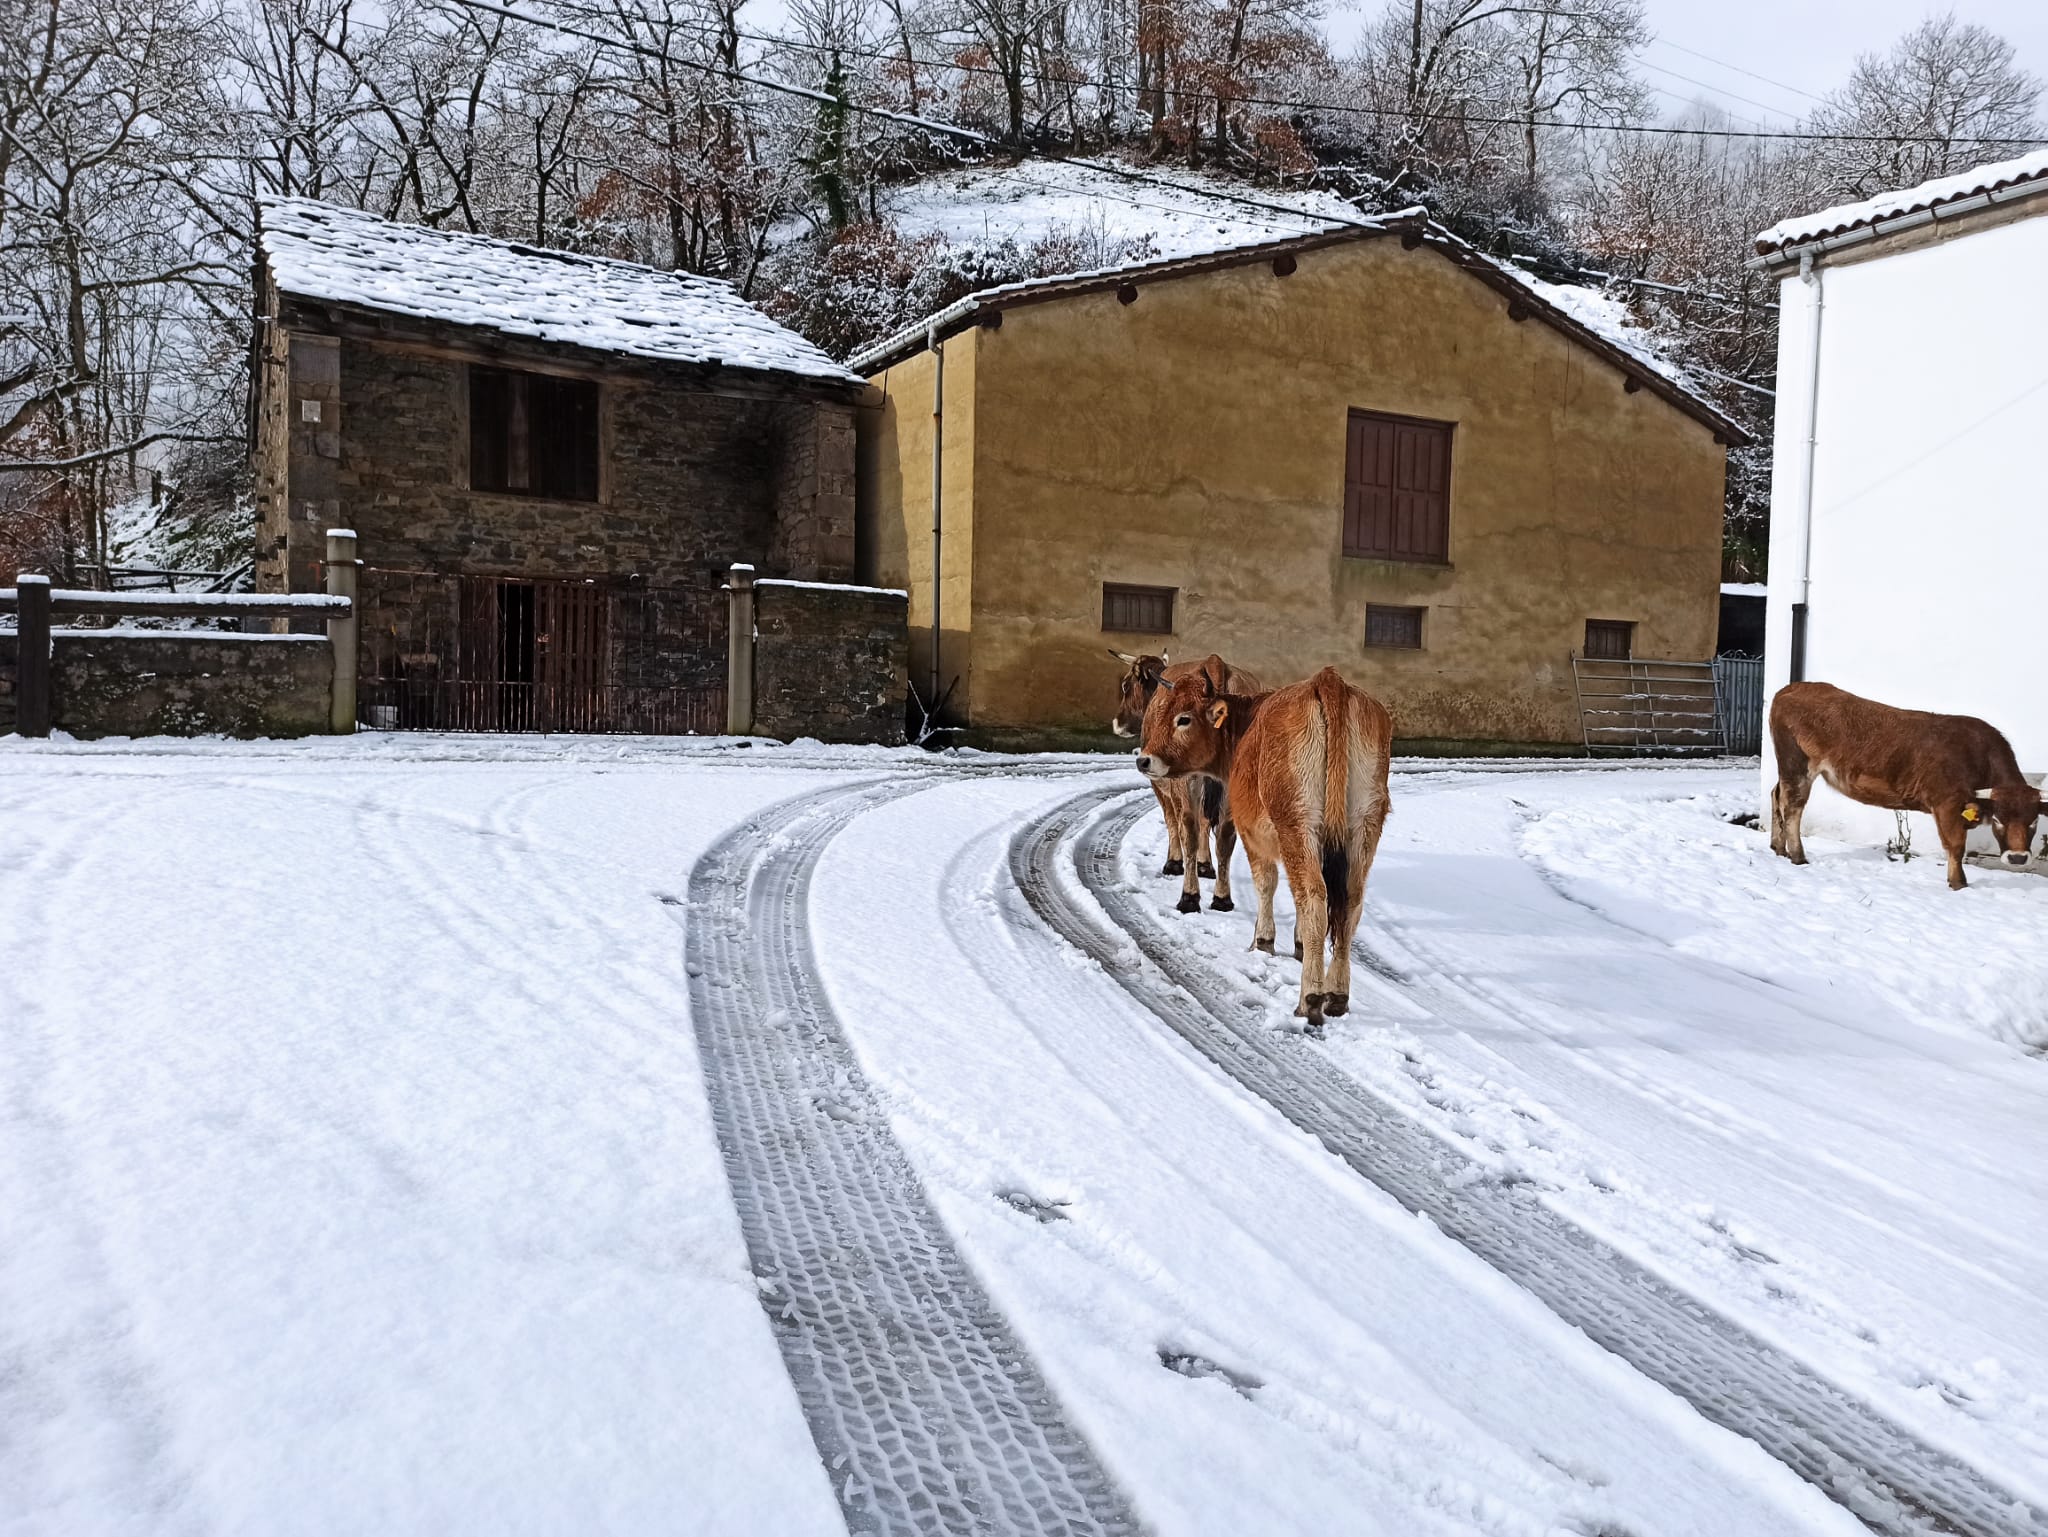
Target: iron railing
(455, 704)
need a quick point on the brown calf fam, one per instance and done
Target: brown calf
(1190, 807)
(1307, 770)
(1956, 768)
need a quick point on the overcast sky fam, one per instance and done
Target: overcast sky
(1798, 45)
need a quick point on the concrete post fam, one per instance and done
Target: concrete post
(32, 707)
(739, 651)
(341, 628)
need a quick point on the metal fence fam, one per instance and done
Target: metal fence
(1739, 702)
(1642, 705)
(457, 652)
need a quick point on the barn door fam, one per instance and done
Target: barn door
(571, 629)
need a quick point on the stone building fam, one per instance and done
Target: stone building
(1371, 447)
(550, 461)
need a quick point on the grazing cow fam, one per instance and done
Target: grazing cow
(1190, 807)
(1956, 768)
(1307, 770)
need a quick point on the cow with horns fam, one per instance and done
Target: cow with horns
(1307, 772)
(1193, 808)
(1959, 770)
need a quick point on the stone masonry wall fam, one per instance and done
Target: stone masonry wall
(693, 478)
(830, 662)
(180, 683)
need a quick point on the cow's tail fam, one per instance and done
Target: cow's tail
(1333, 699)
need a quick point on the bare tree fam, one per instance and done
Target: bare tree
(1949, 95)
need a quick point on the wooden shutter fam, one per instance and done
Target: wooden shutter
(1137, 610)
(564, 438)
(490, 409)
(1610, 640)
(533, 434)
(1397, 488)
(1388, 625)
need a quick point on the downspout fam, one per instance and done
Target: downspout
(1810, 275)
(931, 340)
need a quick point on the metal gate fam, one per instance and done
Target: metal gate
(1739, 700)
(1637, 705)
(451, 652)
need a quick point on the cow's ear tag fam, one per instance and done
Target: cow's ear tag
(1219, 712)
(1970, 812)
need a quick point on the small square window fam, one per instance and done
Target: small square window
(1610, 640)
(1399, 628)
(1137, 610)
(532, 434)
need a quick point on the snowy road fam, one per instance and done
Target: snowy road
(373, 1177)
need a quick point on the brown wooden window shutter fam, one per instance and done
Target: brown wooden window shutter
(1397, 488)
(1389, 625)
(1137, 610)
(1610, 640)
(532, 434)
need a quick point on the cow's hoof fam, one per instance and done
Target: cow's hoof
(1222, 905)
(1173, 867)
(1336, 1003)
(1206, 870)
(1263, 944)
(1798, 858)
(1190, 902)
(1311, 1009)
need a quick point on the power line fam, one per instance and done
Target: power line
(1207, 97)
(1724, 64)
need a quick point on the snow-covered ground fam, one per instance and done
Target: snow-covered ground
(361, 1177)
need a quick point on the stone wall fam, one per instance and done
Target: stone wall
(830, 662)
(128, 682)
(699, 469)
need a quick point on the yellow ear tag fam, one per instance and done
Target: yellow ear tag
(1970, 812)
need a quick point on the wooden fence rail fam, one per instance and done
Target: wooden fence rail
(36, 603)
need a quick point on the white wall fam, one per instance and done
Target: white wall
(1930, 500)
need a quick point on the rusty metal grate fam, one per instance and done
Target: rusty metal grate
(468, 652)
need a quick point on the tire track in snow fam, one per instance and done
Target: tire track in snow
(928, 1414)
(1066, 863)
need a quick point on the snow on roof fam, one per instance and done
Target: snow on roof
(2022, 171)
(343, 256)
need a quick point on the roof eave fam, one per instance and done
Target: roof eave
(1786, 253)
(845, 383)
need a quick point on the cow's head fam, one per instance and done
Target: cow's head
(2012, 812)
(1184, 730)
(1135, 690)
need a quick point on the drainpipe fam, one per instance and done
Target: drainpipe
(1810, 275)
(931, 340)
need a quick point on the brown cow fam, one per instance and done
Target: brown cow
(1956, 768)
(1190, 807)
(1307, 770)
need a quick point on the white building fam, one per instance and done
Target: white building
(1909, 497)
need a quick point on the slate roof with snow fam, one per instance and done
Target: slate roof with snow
(343, 256)
(1593, 319)
(2006, 180)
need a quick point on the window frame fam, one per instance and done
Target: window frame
(1406, 611)
(580, 481)
(1438, 552)
(1138, 591)
(1627, 630)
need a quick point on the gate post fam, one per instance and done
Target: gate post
(341, 628)
(32, 710)
(739, 651)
